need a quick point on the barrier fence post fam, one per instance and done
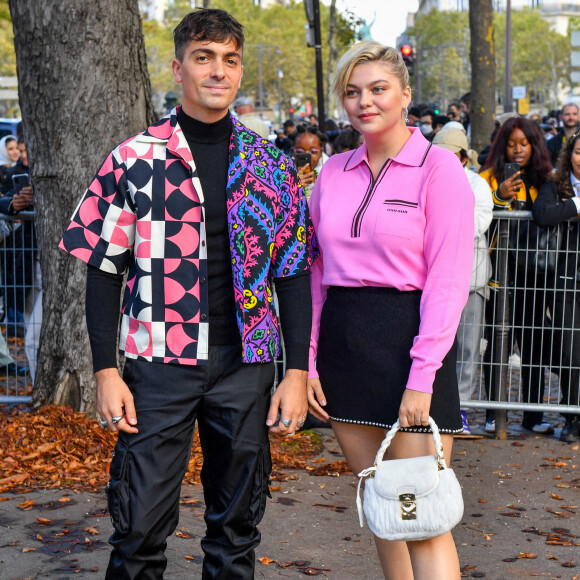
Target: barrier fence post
(502, 325)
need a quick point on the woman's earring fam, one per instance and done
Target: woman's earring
(406, 116)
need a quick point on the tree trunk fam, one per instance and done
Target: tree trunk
(482, 113)
(84, 88)
(332, 52)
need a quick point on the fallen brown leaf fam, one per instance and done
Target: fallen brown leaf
(265, 560)
(26, 505)
(92, 530)
(66, 449)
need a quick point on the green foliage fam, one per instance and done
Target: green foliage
(177, 9)
(445, 70)
(160, 52)
(275, 26)
(4, 11)
(540, 55)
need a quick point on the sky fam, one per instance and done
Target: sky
(391, 16)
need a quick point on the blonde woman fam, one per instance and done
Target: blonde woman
(394, 221)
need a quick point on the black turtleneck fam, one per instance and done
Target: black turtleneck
(209, 145)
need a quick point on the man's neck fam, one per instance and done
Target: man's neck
(569, 131)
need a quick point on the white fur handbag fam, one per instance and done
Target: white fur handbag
(410, 499)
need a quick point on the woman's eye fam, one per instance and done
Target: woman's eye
(351, 93)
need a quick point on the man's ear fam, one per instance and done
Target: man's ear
(176, 68)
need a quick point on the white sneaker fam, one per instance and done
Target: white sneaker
(543, 428)
(490, 426)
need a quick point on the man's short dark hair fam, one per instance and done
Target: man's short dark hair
(207, 24)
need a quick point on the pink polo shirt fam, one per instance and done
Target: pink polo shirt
(411, 229)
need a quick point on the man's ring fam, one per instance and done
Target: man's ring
(103, 423)
(417, 420)
(116, 420)
(300, 423)
(286, 422)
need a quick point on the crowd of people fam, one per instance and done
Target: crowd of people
(20, 305)
(539, 145)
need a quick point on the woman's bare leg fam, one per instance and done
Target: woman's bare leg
(359, 444)
(436, 558)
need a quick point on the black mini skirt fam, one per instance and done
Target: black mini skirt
(363, 360)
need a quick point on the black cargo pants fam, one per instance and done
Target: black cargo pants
(230, 401)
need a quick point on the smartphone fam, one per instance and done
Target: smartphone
(19, 181)
(303, 159)
(511, 169)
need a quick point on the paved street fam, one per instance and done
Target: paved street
(516, 492)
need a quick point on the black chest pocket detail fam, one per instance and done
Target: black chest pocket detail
(395, 218)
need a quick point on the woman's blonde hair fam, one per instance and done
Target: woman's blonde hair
(368, 51)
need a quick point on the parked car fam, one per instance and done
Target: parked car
(8, 126)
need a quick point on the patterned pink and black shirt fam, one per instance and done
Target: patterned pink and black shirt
(144, 213)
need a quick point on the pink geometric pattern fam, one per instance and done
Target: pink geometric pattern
(143, 213)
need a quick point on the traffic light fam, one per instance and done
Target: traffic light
(408, 57)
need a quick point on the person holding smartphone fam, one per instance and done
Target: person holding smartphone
(309, 142)
(516, 168)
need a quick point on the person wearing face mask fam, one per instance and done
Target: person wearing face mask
(520, 140)
(558, 201)
(426, 123)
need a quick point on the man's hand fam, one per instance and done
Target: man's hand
(316, 399)
(291, 401)
(114, 399)
(414, 409)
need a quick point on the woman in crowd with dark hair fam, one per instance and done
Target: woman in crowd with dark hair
(521, 141)
(558, 201)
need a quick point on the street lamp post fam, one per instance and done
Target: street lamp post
(508, 106)
(260, 48)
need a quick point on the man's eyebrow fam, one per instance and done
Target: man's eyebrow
(211, 52)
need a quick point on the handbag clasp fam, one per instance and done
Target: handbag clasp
(408, 506)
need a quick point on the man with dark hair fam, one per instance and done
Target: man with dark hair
(413, 116)
(454, 112)
(570, 126)
(203, 214)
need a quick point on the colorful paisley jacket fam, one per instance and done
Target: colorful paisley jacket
(143, 212)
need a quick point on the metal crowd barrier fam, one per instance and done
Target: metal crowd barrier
(527, 334)
(528, 314)
(20, 306)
